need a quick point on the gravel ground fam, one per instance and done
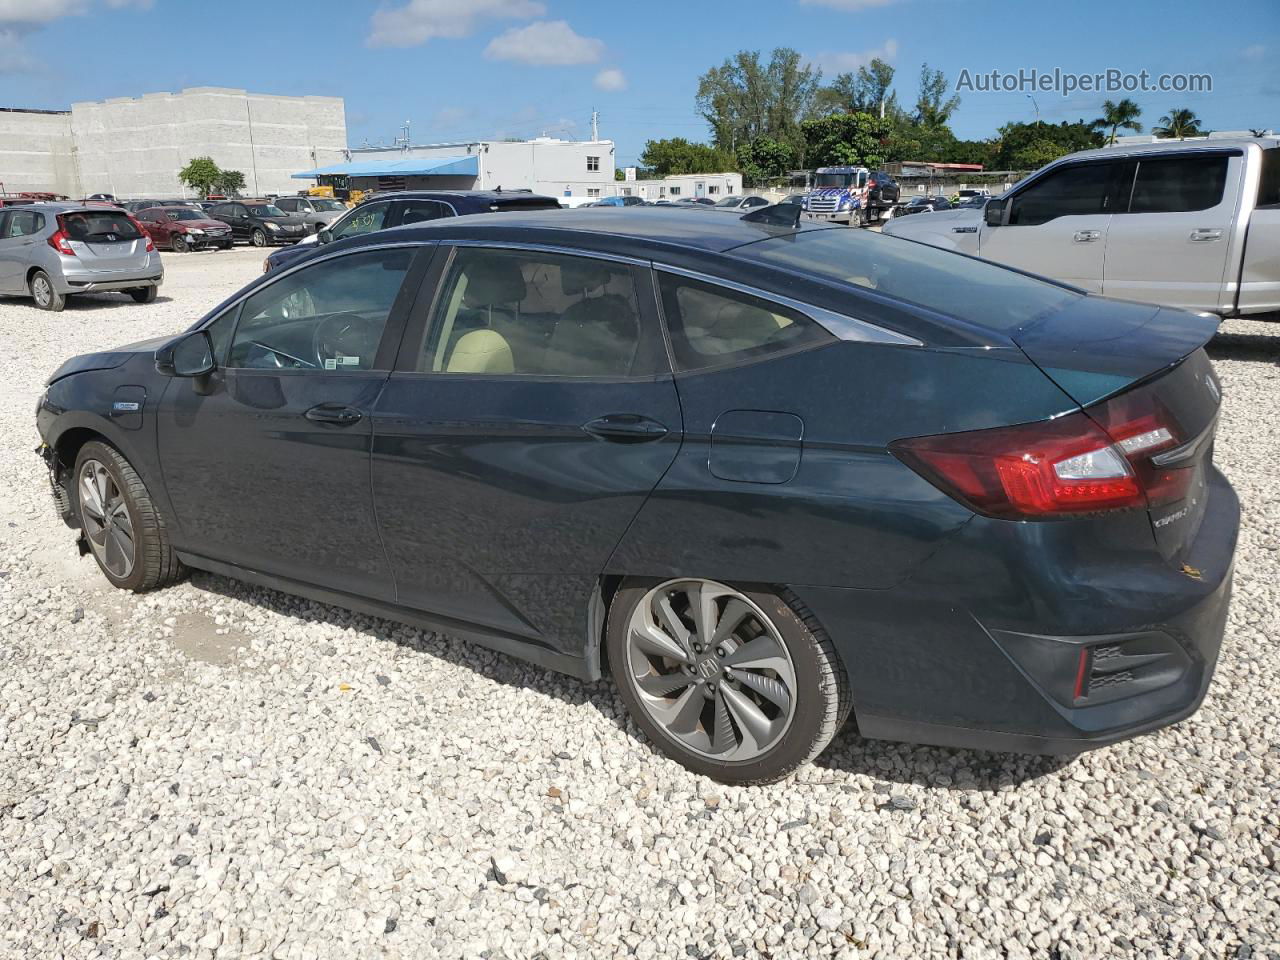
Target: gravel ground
(220, 770)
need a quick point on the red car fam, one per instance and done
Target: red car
(183, 228)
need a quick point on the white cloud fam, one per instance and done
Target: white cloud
(419, 20)
(1255, 52)
(833, 62)
(13, 56)
(611, 79)
(547, 43)
(14, 13)
(850, 6)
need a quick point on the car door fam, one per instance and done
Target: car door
(530, 415)
(241, 222)
(13, 254)
(267, 463)
(1057, 225)
(1174, 243)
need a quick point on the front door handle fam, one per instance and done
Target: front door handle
(625, 428)
(1087, 236)
(1201, 234)
(335, 414)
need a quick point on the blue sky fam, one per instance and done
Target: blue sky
(463, 69)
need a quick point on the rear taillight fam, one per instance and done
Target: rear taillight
(151, 245)
(1083, 462)
(60, 240)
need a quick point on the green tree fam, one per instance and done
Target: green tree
(1118, 116)
(853, 139)
(867, 91)
(200, 174)
(230, 182)
(1012, 146)
(745, 98)
(619, 173)
(933, 107)
(1036, 154)
(765, 159)
(662, 158)
(1178, 122)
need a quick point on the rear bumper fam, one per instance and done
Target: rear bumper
(98, 286)
(980, 648)
(74, 277)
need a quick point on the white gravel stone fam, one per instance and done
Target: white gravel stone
(170, 790)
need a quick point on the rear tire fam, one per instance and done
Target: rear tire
(738, 716)
(143, 294)
(44, 294)
(126, 533)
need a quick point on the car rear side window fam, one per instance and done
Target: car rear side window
(100, 226)
(1179, 184)
(22, 223)
(712, 325)
(975, 291)
(505, 312)
(327, 316)
(420, 211)
(1269, 181)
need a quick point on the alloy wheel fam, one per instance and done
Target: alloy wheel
(106, 520)
(258, 238)
(42, 290)
(711, 669)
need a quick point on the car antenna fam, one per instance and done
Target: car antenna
(777, 215)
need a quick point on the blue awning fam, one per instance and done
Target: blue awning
(399, 166)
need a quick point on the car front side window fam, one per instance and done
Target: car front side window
(1074, 190)
(327, 316)
(538, 314)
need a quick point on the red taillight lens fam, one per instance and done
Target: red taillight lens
(60, 240)
(151, 246)
(1062, 466)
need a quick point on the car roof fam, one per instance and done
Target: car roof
(1210, 144)
(589, 228)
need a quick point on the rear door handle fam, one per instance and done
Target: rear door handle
(336, 414)
(1201, 234)
(1087, 236)
(625, 428)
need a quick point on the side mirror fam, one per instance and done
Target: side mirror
(993, 213)
(324, 235)
(191, 357)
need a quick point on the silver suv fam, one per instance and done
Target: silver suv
(49, 251)
(316, 212)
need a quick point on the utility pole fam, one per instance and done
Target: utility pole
(1036, 105)
(595, 125)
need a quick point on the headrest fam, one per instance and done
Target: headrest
(492, 280)
(583, 274)
(481, 351)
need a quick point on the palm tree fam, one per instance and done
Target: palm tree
(1178, 123)
(1117, 116)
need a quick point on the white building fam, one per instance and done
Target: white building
(682, 186)
(557, 168)
(135, 146)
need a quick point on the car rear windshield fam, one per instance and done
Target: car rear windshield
(183, 213)
(104, 226)
(971, 290)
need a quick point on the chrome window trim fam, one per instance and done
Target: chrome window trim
(837, 324)
(548, 248)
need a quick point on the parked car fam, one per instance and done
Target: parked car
(922, 205)
(137, 206)
(1032, 552)
(619, 202)
(316, 212)
(50, 251)
(260, 222)
(410, 206)
(742, 204)
(184, 228)
(109, 198)
(702, 201)
(1191, 224)
(976, 202)
(796, 198)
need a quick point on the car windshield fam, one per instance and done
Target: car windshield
(266, 210)
(833, 180)
(328, 205)
(104, 226)
(970, 290)
(729, 202)
(185, 214)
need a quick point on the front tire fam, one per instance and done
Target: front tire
(740, 685)
(44, 294)
(258, 238)
(126, 534)
(143, 294)
(179, 243)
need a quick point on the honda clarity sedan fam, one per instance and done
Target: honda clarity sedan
(769, 476)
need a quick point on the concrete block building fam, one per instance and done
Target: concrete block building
(135, 146)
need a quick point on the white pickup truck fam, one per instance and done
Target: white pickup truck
(1191, 224)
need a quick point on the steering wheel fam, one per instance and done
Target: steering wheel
(342, 335)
